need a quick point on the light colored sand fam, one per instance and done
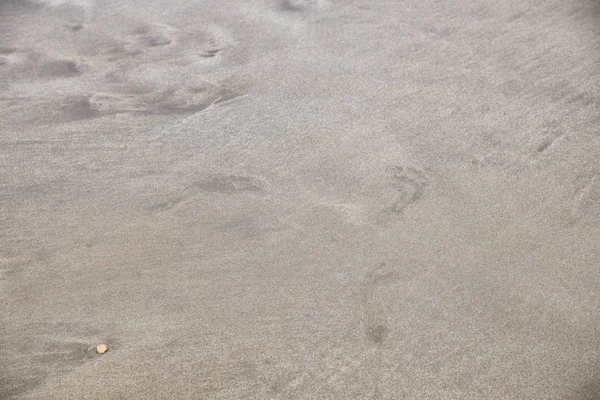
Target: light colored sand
(300, 199)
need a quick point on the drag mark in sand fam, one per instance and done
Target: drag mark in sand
(221, 183)
(210, 53)
(291, 6)
(51, 356)
(171, 101)
(215, 183)
(586, 203)
(547, 143)
(296, 6)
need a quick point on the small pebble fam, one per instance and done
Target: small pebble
(101, 349)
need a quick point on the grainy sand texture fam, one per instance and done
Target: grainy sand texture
(300, 199)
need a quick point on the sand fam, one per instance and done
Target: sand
(300, 199)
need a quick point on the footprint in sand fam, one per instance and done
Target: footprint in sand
(375, 317)
(22, 64)
(383, 287)
(410, 184)
(152, 36)
(167, 42)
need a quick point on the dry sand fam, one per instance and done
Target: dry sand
(300, 199)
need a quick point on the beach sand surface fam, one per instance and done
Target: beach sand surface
(300, 199)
